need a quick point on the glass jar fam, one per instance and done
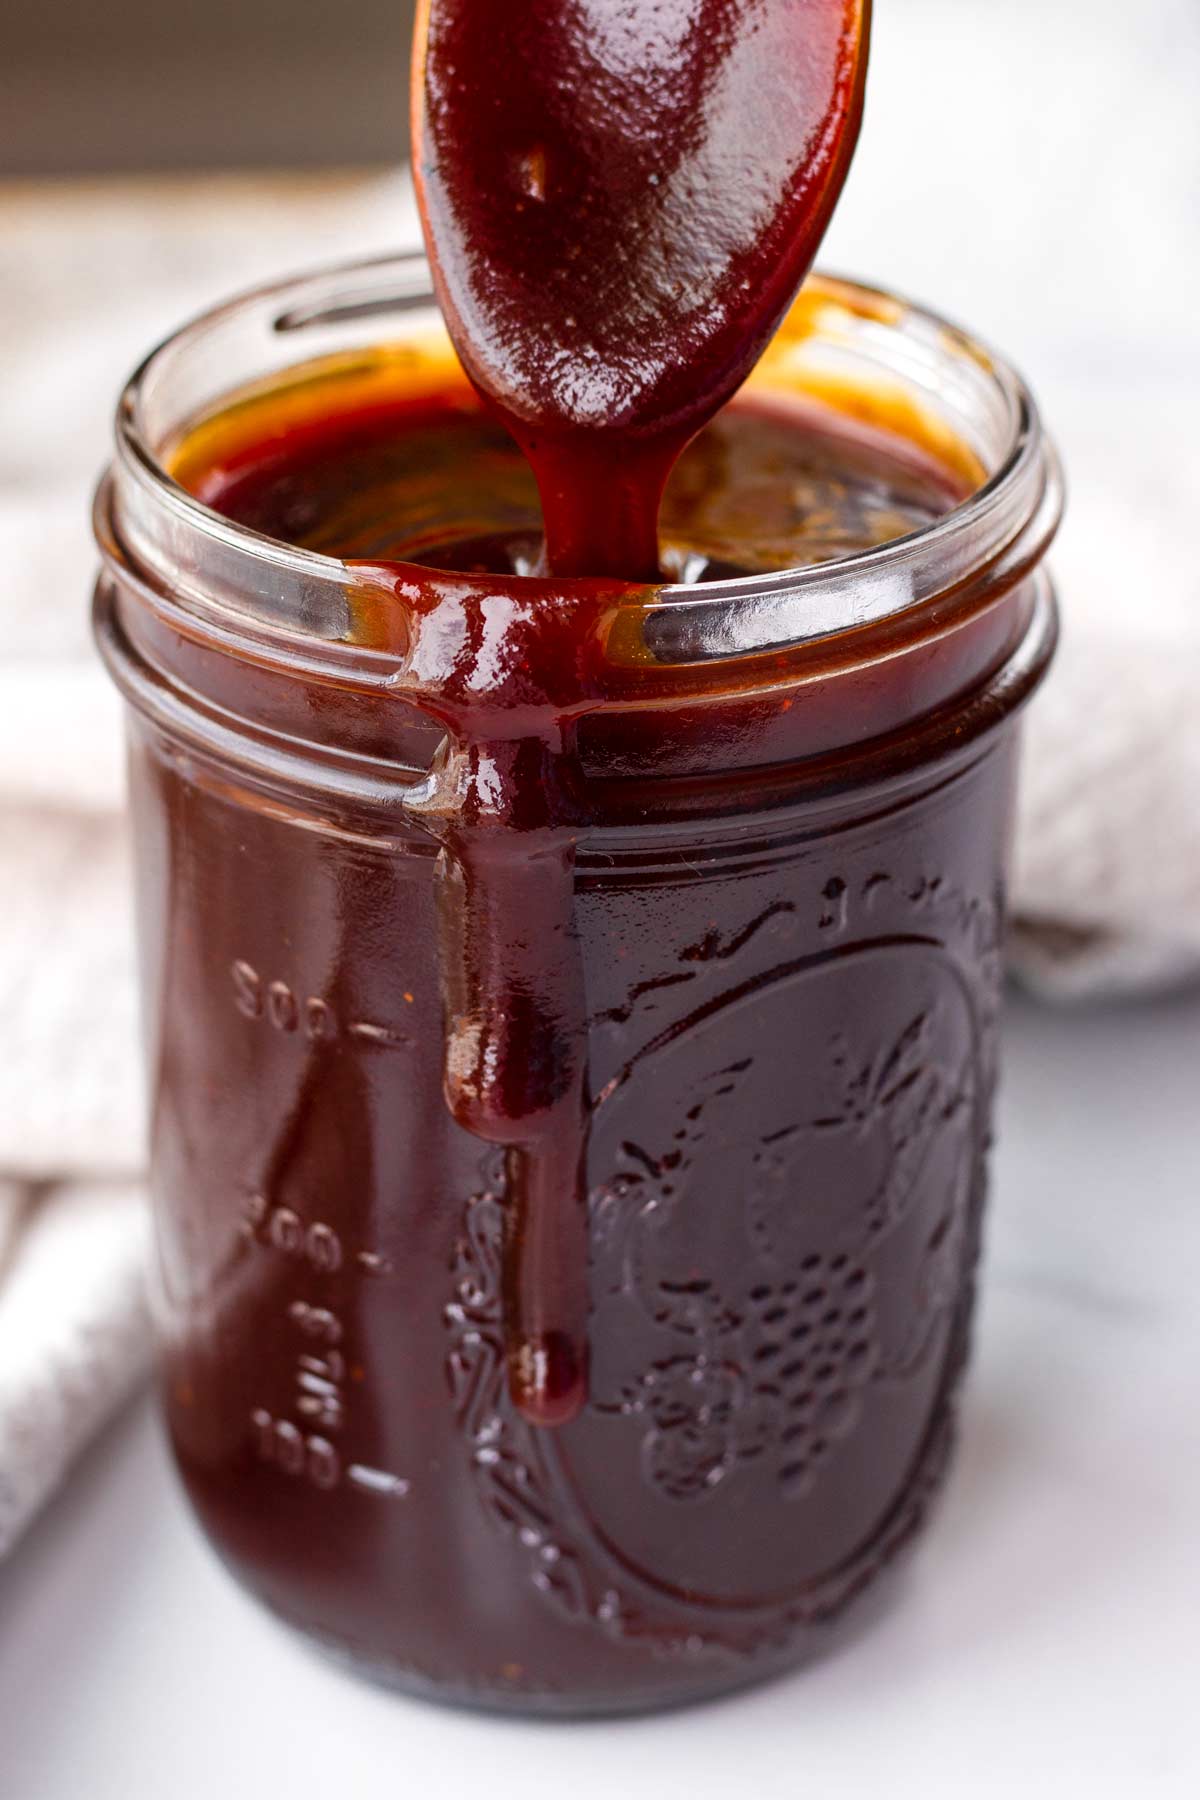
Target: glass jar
(782, 927)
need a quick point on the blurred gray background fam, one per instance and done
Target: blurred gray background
(103, 85)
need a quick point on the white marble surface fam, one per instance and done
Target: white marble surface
(1045, 1643)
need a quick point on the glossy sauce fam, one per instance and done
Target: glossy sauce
(430, 478)
(366, 469)
(619, 205)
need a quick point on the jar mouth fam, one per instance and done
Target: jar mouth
(216, 567)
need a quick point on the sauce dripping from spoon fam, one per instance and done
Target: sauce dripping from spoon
(620, 199)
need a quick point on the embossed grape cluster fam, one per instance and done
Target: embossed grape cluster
(776, 1380)
(813, 1351)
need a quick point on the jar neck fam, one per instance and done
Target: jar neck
(804, 666)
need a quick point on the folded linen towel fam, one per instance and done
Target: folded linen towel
(74, 1330)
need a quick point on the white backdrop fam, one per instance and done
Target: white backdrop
(1032, 168)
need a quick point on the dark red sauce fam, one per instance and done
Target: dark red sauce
(776, 481)
(620, 203)
(431, 479)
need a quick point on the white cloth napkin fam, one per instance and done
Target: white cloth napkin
(1046, 236)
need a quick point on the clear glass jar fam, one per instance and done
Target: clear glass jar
(783, 926)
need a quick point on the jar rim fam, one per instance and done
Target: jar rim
(1015, 510)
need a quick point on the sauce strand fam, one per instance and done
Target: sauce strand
(619, 205)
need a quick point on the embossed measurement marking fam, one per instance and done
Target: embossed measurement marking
(377, 1481)
(316, 1243)
(320, 1374)
(288, 1012)
(288, 1449)
(371, 1263)
(280, 1228)
(303, 1451)
(306, 1454)
(378, 1034)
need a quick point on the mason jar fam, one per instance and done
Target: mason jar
(783, 918)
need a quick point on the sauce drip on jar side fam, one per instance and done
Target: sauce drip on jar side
(389, 479)
(619, 205)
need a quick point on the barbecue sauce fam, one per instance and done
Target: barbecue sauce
(619, 204)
